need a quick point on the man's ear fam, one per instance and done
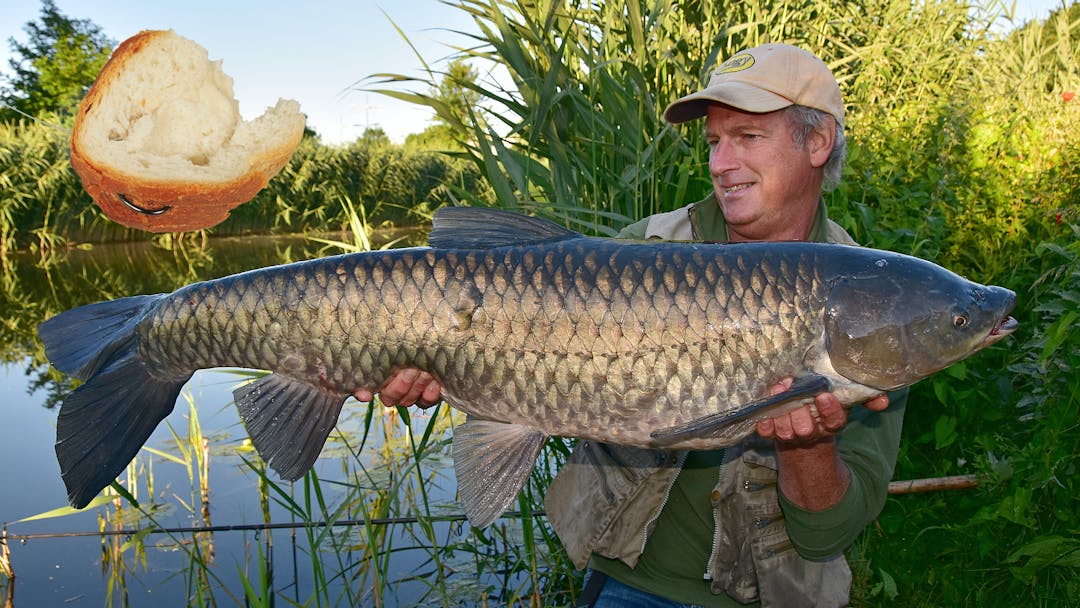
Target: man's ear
(820, 143)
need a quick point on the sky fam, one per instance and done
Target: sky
(313, 51)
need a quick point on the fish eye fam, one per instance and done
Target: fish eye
(960, 321)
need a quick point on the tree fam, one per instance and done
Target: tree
(456, 89)
(373, 138)
(456, 96)
(54, 67)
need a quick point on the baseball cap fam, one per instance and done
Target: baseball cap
(765, 79)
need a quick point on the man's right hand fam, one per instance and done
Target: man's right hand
(408, 386)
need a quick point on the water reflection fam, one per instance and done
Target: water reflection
(33, 289)
(369, 470)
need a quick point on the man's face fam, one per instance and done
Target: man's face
(767, 185)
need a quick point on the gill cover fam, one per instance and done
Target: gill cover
(866, 322)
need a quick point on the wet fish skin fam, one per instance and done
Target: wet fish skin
(532, 330)
(502, 345)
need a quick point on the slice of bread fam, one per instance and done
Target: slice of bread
(159, 143)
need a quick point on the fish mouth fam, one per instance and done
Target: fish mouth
(1005, 327)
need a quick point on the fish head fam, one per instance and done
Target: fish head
(908, 318)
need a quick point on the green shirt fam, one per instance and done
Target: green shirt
(676, 555)
(677, 551)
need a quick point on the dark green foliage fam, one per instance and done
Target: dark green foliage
(395, 185)
(43, 205)
(56, 65)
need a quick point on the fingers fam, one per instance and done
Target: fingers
(832, 416)
(781, 386)
(432, 393)
(823, 418)
(804, 424)
(878, 403)
(410, 386)
(406, 386)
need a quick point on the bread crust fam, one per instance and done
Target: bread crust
(158, 205)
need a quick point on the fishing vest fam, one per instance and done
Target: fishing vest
(607, 498)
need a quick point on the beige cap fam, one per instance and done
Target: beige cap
(765, 79)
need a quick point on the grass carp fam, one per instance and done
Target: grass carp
(532, 330)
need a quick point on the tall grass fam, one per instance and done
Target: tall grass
(44, 208)
(394, 186)
(39, 193)
(382, 495)
(7, 575)
(962, 150)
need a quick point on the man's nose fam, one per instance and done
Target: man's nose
(721, 158)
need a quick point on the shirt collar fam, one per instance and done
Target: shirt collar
(708, 223)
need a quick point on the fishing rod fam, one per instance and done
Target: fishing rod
(910, 486)
(263, 526)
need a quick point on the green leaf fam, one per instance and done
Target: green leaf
(165, 455)
(122, 491)
(136, 539)
(102, 499)
(945, 431)
(1058, 332)
(888, 585)
(957, 370)
(1044, 552)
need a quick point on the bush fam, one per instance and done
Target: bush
(43, 205)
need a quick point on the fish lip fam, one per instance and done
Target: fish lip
(1004, 327)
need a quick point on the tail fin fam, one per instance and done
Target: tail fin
(80, 341)
(104, 422)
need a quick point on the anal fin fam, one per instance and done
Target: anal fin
(716, 425)
(288, 421)
(492, 461)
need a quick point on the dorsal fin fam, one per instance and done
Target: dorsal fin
(481, 228)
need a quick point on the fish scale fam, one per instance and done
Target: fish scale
(531, 330)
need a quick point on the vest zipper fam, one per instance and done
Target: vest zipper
(716, 523)
(679, 460)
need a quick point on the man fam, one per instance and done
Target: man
(767, 520)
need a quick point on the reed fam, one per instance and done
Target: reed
(44, 208)
(961, 126)
(962, 151)
(7, 573)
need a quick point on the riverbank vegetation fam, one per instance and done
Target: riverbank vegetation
(962, 128)
(43, 206)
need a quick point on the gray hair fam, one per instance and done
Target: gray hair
(804, 121)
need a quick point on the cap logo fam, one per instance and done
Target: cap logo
(737, 63)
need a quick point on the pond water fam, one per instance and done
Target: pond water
(370, 468)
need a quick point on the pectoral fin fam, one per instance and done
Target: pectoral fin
(734, 422)
(492, 461)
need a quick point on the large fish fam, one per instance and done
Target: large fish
(532, 330)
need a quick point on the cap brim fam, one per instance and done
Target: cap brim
(746, 97)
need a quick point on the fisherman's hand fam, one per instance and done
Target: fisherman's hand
(408, 386)
(805, 425)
